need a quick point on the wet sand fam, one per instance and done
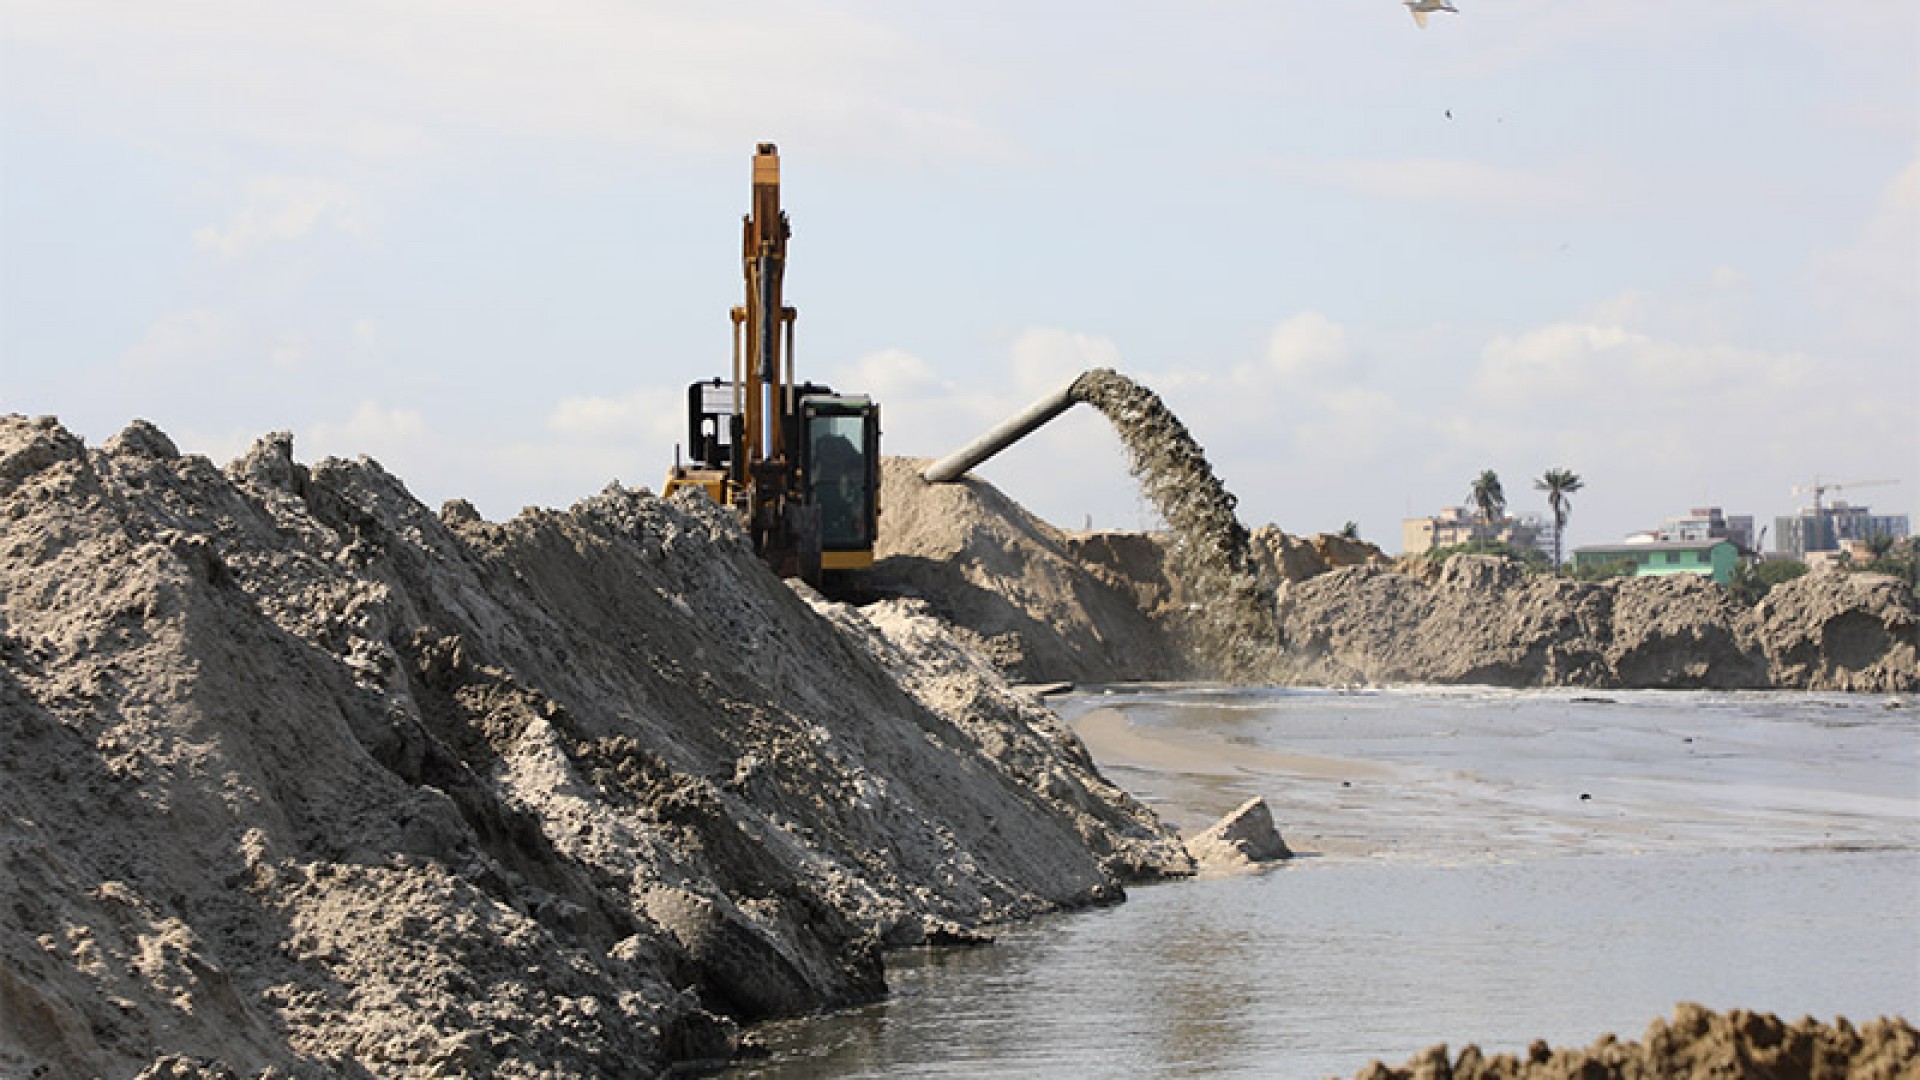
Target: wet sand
(1191, 778)
(1476, 774)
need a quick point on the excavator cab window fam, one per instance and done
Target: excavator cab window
(842, 469)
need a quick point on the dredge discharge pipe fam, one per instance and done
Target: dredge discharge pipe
(1012, 430)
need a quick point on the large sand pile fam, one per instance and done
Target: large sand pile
(1041, 601)
(1105, 607)
(1015, 587)
(298, 776)
(1480, 620)
(1206, 598)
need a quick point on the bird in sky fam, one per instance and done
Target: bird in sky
(1421, 7)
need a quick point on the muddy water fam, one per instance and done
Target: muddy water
(1231, 615)
(1756, 851)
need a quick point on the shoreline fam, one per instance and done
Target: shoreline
(1499, 936)
(1191, 779)
(1448, 776)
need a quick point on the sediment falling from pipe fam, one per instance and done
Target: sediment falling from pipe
(1232, 618)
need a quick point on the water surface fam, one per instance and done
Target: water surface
(1757, 851)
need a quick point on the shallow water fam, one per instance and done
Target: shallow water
(1757, 851)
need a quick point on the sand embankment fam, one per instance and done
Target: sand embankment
(1101, 607)
(1480, 620)
(298, 775)
(1016, 588)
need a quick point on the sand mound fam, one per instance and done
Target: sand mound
(1107, 607)
(1835, 631)
(1479, 619)
(299, 776)
(1024, 590)
(1695, 1045)
(1016, 588)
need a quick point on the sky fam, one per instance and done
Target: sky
(1674, 248)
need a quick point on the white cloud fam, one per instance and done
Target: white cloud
(371, 428)
(549, 472)
(650, 415)
(585, 444)
(922, 413)
(1046, 359)
(180, 341)
(891, 374)
(1358, 423)
(1658, 424)
(288, 354)
(1873, 283)
(238, 348)
(281, 210)
(217, 444)
(420, 78)
(1579, 364)
(1719, 305)
(1307, 345)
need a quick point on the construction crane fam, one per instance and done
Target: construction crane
(798, 463)
(1818, 488)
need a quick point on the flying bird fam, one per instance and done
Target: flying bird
(1421, 7)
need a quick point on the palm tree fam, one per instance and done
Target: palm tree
(1559, 484)
(1486, 495)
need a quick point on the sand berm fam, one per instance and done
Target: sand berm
(300, 778)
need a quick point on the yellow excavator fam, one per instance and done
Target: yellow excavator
(799, 463)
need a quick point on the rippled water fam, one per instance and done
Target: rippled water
(1756, 851)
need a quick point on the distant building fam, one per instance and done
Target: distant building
(1458, 525)
(1454, 525)
(1831, 527)
(1708, 523)
(1711, 558)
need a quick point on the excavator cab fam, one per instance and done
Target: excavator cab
(840, 468)
(834, 439)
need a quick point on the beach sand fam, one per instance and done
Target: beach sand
(1191, 778)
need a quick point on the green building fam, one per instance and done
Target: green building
(1713, 558)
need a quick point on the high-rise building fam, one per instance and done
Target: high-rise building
(1828, 527)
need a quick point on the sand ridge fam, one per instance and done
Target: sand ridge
(301, 778)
